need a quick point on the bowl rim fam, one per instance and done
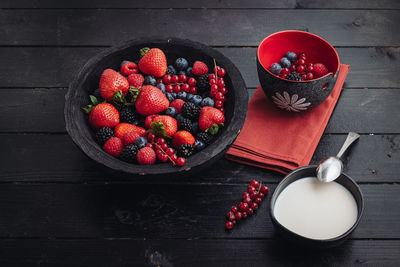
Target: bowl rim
(212, 151)
(306, 33)
(330, 240)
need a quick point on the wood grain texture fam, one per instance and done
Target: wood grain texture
(213, 27)
(168, 253)
(62, 63)
(225, 4)
(55, 158)
(160, 211)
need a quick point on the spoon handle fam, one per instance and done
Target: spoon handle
(351, 137)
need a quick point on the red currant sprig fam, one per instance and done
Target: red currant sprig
(163, 152)
(251, 200)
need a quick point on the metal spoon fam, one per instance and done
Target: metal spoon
(330, 168)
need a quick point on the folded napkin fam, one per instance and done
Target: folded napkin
(279, 140)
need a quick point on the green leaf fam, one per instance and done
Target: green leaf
(134, 92)
(213, 129)
(94, 100)
(144, 51)
(88, 109)
(118, 97)
(158, 128)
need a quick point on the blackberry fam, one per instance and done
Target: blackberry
(203, 85)
(185, 125)
(127, 115)
(190, 111)
(103, 134)
(185, 151)
(294, 76)
(129, 153)
(204, 137)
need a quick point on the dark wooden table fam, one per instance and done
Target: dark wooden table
(58, 209)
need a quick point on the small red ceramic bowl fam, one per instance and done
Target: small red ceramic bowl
(296, 95)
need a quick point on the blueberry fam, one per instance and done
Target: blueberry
(198, 145)
(181, 64)
(275, 68)
(197, 100)
(179, 117)
(171, 111)
(189, 96)
(207, 102)
(182, 95)
(141, 142)
(149, 80)
(195, 127)
(174, 95)
(285, 62)
(181, 72)
(96, 93)
(170, 97)
(123, 62)
(291, 55)
(171, 70)
(189, 71)
(161, 86)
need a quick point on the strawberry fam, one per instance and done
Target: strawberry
(151, 101)
(153, 62)
(112, 82)
(210, 119)
(130, 137)
(149, 120)
(163, 125)
(104, 115)
(177, 104)
(123, 128)
(146, 156)
(319, 70)
(135, 80)
(113, 146)
(129, 68)
(199, 68)
(182, 137)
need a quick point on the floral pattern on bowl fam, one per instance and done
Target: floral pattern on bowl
(292, 103)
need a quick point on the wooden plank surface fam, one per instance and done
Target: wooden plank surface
(235, 27)
(62, 63)
(168, 253)
(55, 158)
(160, 211)
(225, 4)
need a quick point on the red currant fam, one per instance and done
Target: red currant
(159, 81)
(212, 94)
(193, 90)
(169, 88)
(223, 90)
(161, 141)
(234, 209)
(180, 161)
(254, 206)
(293, 67)
(302, 54)
(174, 157)
(302, 62)
(310, 76)
(243, 206)
(285, 71)
(238, 215)
(163, 157)
(231, 216)
(221, 83)
(255, 183)
(164, 146)
(151, 137)
(150, 145)
(211, 76)
(264, 189)
(253, 195)
(177, 88)
(217, 68)
(229, 225)
(218, 95)
(283, 76)
(261, 195)
(219, 104)
(182, 78)
(245, 195)
(185, 87)
(221, 72)
(214, 88)
(175, 78)
(167, 79)
(213, 81)
(222, 109)
(258, 200)
(250, 211)
(248, 201)
(296, 62)
(300, 68)
(192, 81)
(244, 215)
(304, 77)
(251, 189)
(170, 151)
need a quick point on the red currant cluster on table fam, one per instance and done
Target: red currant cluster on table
(150, 111)
(298, 68)
(251, 200)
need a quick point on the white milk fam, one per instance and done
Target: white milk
(315, 209)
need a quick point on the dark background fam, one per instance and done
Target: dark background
(58, 209)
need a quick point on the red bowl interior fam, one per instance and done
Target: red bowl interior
(317, 50)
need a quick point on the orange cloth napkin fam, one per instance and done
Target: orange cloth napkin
(279, 140)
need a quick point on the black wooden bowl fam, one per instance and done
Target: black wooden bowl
(88, 79)
(298, 240)
(298, 95)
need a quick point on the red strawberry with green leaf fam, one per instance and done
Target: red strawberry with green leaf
(153, 62)
(182, 137)
(211, 119)
(163, 125)
(151, 101)
(112, 82)
(102, 115)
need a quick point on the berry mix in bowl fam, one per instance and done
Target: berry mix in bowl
(297, 70)
(156, 106)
